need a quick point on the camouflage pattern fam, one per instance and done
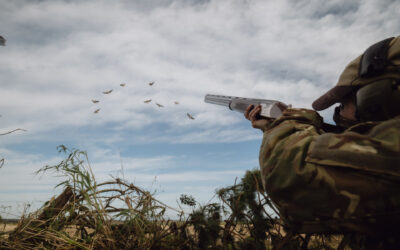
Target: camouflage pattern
(326, 182)
(350, 75)
(351, 78)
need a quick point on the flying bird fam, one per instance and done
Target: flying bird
(107, 92)
(95, 101)
(122, 84)
(176, 102)
(151, 83)
(190, 116)
(2, 41)
(96, 111)
(147, 101)
(159, 105)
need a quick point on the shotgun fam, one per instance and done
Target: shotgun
(269, 108)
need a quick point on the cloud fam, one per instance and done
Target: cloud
(62, 54)
(19, 185)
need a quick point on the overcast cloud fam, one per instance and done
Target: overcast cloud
(61, 54)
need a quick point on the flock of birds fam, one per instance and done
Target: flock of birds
(3, 43)
(107, 92)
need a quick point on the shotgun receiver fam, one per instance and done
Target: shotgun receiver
(269, 108)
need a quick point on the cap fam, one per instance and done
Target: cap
(351, 79)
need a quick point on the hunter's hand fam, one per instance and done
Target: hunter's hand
(253, 115)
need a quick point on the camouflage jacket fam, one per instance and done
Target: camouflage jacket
(326, 182)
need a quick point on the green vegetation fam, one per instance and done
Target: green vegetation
(119, 215)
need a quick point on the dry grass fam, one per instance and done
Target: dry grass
(119, 215)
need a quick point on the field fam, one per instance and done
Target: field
(8, 227)
(331, 243)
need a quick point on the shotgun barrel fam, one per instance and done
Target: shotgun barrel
(269, 108)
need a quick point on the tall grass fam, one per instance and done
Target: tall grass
(117, 214)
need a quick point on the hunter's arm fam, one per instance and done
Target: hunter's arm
(312, 175)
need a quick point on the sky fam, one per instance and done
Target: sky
(59, 55)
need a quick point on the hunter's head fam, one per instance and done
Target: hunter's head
(369, 87)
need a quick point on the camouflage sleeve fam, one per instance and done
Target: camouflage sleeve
(315, 176)
(293, 131)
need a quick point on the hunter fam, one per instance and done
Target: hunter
(348, 181)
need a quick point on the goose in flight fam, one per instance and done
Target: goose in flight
(190, 116)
